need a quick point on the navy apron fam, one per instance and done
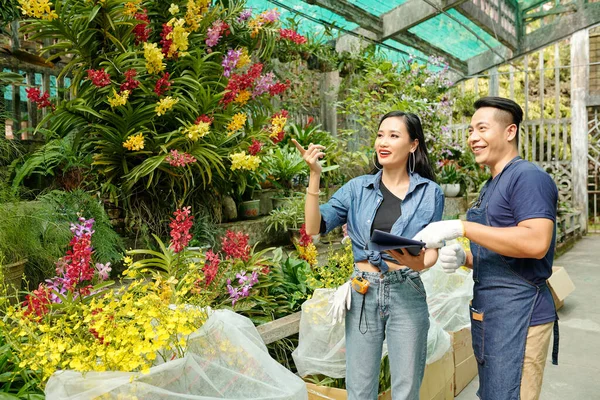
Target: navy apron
(500, 312)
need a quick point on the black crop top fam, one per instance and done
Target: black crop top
(388, 212)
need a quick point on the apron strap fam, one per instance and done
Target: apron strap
(555, 343)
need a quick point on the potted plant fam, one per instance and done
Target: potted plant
(247, 172)
(285, 164)
(289, 218)
(248, 205)
(18, 235)
(450, 177)
(12, 276)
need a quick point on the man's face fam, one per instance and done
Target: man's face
(489, 134)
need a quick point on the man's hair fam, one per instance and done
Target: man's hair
(510, 112)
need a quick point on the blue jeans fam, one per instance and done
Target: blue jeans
(395, 308)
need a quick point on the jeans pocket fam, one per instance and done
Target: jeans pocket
(417, 284)
(478, 334)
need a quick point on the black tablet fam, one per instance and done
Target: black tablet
(382, 241)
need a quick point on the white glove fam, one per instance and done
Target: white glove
(435, 234)
(452, 257)
(340, 302)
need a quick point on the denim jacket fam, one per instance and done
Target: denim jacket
(357, 202)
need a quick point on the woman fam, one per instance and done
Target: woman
(401, 198)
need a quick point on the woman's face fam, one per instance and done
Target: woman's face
(393, 144)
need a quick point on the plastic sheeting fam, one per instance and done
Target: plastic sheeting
(226, 359)
(322, 345)
(448, 297)
(438, 341)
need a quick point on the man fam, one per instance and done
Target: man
(512, 232)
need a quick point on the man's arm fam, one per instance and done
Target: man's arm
(531, 238)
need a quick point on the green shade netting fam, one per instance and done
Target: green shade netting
(447, 34)
(441, 31)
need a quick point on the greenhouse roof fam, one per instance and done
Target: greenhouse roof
(472, 35)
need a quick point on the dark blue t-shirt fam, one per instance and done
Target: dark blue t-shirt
(525, 191)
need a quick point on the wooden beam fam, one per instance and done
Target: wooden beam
(280, 328)
(412, 13)
(564, 27)
(496, 24)
(537, 4)
(494, 86)
(352, 43)
(556, 10)
(374, 27)
(329, 89)
(580, 58)
(351, 13)
(488, 59)
(593, 100)
(9, 61)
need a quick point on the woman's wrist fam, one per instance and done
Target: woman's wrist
(314, 182)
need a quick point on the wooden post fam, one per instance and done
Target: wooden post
(511, 87)
(580, 58)
(526, 88)
(16, 90)
(330, 85)
(557, 115)
(494, 87)
(16, 114)
(31, 107)
(542, 89)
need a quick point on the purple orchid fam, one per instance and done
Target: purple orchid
(244, 15)
(254, 278)
(230, 61)
(263, 84)
(242, 278)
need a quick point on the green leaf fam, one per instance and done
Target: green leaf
(8, 396)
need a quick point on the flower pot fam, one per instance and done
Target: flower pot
(249, 209)
(451, 189)
(13, 276)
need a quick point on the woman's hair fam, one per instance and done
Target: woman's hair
(415, 130)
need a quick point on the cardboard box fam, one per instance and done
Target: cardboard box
(438, 382)
(465, 364)
(560, 285)
(316, 392)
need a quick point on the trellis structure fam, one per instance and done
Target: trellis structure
(476, 37)
(473, 36)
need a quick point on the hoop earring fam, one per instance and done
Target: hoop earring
(376, 163)
(414, 162)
